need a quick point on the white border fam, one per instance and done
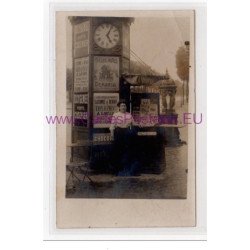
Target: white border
(185, 233)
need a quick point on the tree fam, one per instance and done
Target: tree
(182, 65)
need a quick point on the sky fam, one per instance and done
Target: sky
(154, 40)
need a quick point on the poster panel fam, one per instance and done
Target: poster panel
(145, 108)
(105, 104)
(81, 39)
(102, 137)
(81, 74)
(106, 73)
(80, 110)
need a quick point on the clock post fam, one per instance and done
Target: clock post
(100, 54)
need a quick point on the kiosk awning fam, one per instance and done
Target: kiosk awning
(143, 79)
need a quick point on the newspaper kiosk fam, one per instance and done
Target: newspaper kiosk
(100, 73)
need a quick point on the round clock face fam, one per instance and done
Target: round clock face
(106, 36)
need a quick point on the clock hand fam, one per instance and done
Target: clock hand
(109, 39)
(107, 35)
(109, 31)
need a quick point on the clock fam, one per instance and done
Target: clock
(106, 36)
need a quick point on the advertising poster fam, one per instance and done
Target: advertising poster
(81, 39)
(105, 104)
(81, 74)
(145, 108)
(106, 73)
(80, 110)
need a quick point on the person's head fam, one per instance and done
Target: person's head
(122, 106)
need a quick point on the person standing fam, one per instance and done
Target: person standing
(122, 133)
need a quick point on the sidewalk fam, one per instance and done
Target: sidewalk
(171, 184)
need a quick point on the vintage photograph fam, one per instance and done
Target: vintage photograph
(128, 106)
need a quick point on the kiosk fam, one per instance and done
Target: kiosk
(101, 65)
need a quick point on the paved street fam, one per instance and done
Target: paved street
(170, 184)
